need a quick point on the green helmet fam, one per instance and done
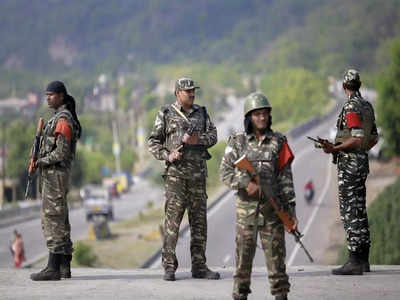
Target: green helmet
(254, 101)
(351, 76)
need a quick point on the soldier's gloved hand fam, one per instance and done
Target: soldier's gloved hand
(175, 155)
(190, 139)
(252, 189)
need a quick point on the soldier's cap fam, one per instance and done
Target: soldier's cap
(56, 87)
(185, 83)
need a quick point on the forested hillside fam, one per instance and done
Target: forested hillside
(325, 36)
(285, 48)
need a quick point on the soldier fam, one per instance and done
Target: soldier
(356, 134)
(181, 135)
(57, 149)
(271, 156)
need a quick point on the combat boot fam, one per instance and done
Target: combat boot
(364, 258)
(52, 271)
(204, 272)
(281, 297)
(65, 266)
(352, 267)
(169, 276)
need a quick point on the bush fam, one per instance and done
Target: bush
(83, 255)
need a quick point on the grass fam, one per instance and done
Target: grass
(133, 242)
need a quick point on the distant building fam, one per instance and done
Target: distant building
(25, 106)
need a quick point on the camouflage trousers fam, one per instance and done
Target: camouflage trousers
(55, 221)
(272, 235)
(182, 194)
(353, 170)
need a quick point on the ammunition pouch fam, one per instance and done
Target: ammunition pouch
(242, 193)
(197, 148)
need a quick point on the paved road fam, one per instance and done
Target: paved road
(128, 206)
(313, 219)
(309, 163)
(308, 283)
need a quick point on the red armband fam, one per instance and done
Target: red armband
(353, 120)
(63, 128)
(285, 156)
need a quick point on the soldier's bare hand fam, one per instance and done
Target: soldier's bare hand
(252, 189)
(327, 146)
(296, 222)
(190, 139)
(175, 155)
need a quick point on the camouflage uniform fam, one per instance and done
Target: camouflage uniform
(266, 156)
(353, 169)
(185, 180)
(54, 164)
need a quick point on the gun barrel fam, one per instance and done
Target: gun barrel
(306, 252)
(297, 235)
(28, 187)
(314, 140)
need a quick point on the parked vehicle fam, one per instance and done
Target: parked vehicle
(97, 202)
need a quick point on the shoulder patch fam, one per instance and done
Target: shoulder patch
(64, 129)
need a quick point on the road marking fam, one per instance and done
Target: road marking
(314, 213)
(157, 263)
(210, 213)
(227, 259)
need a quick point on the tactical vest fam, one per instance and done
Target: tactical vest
(190, 152)
(264, 159)
(367, 121)
(48, 138)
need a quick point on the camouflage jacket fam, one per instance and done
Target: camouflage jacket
(167, 134)
(271, 158)
(357, 120)
(58, 142)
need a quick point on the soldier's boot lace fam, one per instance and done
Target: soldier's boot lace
(281, 297)
(65, 266)
(352, 267)
(205, 272)
(51, 272)
(169, 276)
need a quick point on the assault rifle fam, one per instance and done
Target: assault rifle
(190, 130)
(34, 157)
(244, 164)
(320, 143)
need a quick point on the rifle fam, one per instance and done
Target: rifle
(320, 143)
(190, 131)
(34, 157)
(244, 164)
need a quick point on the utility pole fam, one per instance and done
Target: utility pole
(116, 147)
(3, 163)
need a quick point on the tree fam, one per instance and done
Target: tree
(389, 100)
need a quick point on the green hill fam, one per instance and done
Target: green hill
(322, 35)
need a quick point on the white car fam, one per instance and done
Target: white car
(97, 202)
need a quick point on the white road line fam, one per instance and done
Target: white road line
(227, 258)
(157, 263)
(314, 212)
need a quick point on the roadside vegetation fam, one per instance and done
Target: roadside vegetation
(133, 242)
